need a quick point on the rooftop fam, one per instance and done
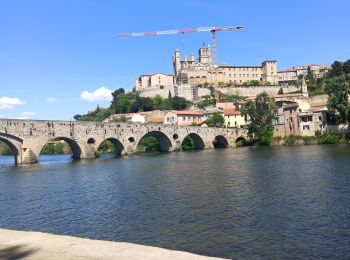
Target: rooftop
(187, 112)
(231, 112)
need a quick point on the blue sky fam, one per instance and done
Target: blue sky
(58, 49)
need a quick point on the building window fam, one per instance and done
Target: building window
(306, 127)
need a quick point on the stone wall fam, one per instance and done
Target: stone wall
(254, 91)
(186, 91)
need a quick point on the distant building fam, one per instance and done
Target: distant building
(183, 118)
(286, 120)
(160, 80)
(155, 116)
(190, 71)
(312, 123)
(292, 74)
(234, 118)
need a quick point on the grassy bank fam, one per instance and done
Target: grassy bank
(327, 138)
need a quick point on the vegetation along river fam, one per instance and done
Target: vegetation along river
(250, 202)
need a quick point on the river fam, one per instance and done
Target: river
(250, 202)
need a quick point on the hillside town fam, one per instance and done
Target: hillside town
(198, 81)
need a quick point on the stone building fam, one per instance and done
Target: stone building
(286, 120)
(159, 80)
(183, 117)
(292, 74)
(312, 123)
(190, 71)
(234, 118)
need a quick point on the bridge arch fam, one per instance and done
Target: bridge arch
(73, 145)
(220, 142)
(240, 139)
(15, 149)
(118, 146)
(197, 141)
(163, 140)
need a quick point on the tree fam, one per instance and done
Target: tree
(280, 91)
(338, 90)
(179, 103)
(259, 112)
(188, 143)
(142, 104)
(123, 102)
(77, 117)
(337, 69)
(215, 120)
(161, 103)
(116, 95)
(265, 135)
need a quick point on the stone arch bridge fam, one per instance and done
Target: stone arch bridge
(26, 138)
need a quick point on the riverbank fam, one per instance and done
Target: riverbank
(37, 245)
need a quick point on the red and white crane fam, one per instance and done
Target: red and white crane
(212, 29)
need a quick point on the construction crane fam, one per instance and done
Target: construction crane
(212, 29)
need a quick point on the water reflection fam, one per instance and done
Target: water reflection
(285, 202)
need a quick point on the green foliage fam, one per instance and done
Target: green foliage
(205, 103)
(338, 90)
(56, 148)
(327, 138)
(259, 111)
(123, 103)
(215, 120)
(188, 143)
(120, 120)
(106, 147)
(291, 140)
(231, 98)
(280, 91)
(77, 117)
(148, 144)
(265, 135)
(179, 103)
(162, 103)
(97, 115)
(5, 149)
(319, 86)
(142, 104)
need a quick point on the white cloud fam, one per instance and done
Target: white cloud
(100, 94)
(9, 103)
(26, 115)
(51, 100)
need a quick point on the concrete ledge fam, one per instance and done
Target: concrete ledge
(36, 245)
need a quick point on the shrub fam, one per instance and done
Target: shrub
(329, 138)
(265, 135)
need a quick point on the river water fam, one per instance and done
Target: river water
(251, 202)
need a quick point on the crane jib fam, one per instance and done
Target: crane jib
(182, 31)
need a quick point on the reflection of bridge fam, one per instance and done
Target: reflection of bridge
(26, 138)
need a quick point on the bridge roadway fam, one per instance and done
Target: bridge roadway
(26, 138)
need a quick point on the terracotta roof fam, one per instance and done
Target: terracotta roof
(186, 112)
(156, 120)
(231, 112)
